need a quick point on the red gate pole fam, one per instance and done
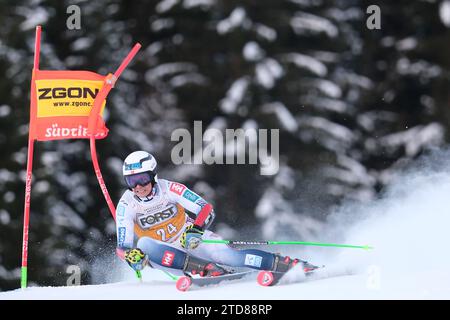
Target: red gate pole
(31, 137)
(92, 128)
(93, 117)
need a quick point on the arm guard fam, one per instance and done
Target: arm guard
(205, 217)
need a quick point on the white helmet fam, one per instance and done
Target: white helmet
(139, 167)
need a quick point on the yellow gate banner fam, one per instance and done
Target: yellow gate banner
(66, 97)
(61, 104)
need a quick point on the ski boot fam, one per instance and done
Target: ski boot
(203, 268)
(197, 266)
(281, 266)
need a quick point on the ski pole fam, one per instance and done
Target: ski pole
(139, 275)
(171, 276)
(238, 242)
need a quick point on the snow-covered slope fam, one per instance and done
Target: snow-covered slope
(409, 228)
(418, 285)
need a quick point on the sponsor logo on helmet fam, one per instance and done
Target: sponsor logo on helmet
(177, 188)
(190, 196)
(168, 258)
(146, 221)
(133, 166)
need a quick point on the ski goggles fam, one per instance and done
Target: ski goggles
(142, 179)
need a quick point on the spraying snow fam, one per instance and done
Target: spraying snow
(408, 228)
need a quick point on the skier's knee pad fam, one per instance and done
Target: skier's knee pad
(162, 254)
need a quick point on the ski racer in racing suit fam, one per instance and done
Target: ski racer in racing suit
(154, 229)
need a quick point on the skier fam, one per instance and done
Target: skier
(154, 229)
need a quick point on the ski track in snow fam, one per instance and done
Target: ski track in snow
(408, 227)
